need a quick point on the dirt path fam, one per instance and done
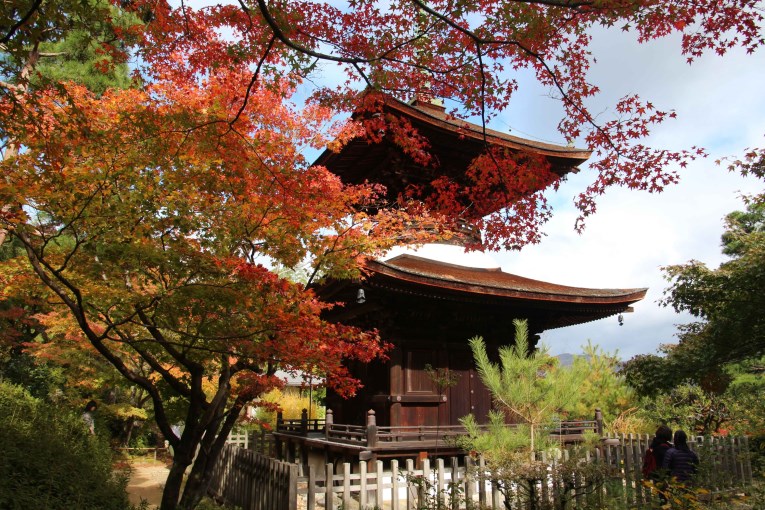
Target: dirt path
(146, 483)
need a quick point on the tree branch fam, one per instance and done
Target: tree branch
(12, 30)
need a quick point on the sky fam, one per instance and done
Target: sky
(720, 105)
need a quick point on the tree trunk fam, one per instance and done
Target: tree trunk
(210, 448)
(129, 432)
(183, 456)
(197, 483)
(172, 490)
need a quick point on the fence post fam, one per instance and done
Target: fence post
(394, 485)
(329, 481)
(328, 421)
(304, 422)
(599, 421)
(440, 482)
(311, 488)
(410, 495)
(469, 481)
(292, 500)
(371, 429)
(456, 484)
(747, 460)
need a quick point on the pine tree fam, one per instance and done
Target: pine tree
(528, 388)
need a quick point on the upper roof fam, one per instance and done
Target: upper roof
(436, 116)
(407, 291)
(454, 144)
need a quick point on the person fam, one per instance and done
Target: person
(654, 460)
(87, 416)
(680, 462)
(660, 445)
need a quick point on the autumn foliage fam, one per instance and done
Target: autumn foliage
(155, 228)
(155, 217)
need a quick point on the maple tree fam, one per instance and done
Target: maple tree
(154, 257)
(155, 215)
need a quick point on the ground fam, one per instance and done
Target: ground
(146, 482)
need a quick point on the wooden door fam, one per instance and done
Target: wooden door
(468, 395)
(420, 396)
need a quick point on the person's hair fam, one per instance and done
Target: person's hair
(681, 440)
(664, 433)
(91, 405)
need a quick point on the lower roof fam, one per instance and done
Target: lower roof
(441, 276)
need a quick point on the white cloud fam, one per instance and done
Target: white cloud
(721, 106)
(625, 244)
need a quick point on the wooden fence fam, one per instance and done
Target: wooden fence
(725, 464)
(261, 442)
(251, 481)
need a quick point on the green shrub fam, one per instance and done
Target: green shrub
(50, 461)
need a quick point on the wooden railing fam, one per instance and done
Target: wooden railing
(349, 434)
(579, 427)
(371, 436)
(301, 427)
(419, 433)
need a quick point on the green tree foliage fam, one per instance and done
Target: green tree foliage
(744, 396)
(728, 303)
(689, 407)
(50, 461)
(80, 57)
(727, 300)
(652, 375)
(602, 385)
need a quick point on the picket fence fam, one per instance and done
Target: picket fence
(255, 482)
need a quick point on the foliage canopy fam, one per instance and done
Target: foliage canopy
(154, 216)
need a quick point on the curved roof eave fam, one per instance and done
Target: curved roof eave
(439, 118)
(496, 283)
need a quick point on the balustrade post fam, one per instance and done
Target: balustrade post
(371, 429)
(279, 420)
(304, 422)
(328, 421)
(599, 421)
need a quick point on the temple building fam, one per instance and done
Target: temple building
(429, 300)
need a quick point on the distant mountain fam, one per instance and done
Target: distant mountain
(566, 359)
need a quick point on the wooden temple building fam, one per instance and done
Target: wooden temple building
(429, 306)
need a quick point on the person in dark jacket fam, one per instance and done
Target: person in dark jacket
(660, 446)
(680, 461)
